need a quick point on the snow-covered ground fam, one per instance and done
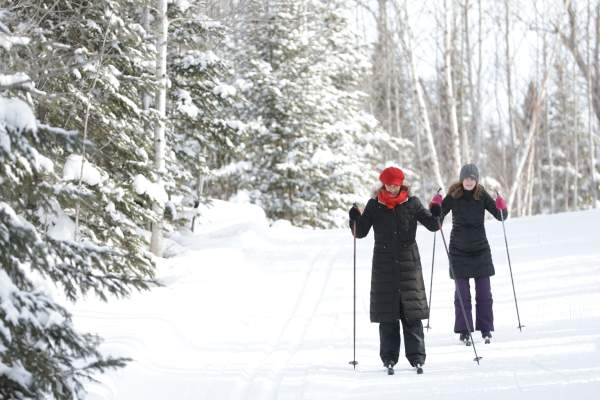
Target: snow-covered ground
(250, 311)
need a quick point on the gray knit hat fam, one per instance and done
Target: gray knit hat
(469, 171)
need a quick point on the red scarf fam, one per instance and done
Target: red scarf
(389, 200)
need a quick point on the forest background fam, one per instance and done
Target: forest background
(119, 118)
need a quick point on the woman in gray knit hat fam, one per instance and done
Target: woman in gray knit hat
(470, 253)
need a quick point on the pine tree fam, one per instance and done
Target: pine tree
(41, 353)
(313, 149)
(96, 61)
(203, 133)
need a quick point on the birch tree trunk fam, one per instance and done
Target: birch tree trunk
(159, 132)
(477, 111)
(471, 132)
(397, 102)
(146, 98)
(549, 143)
(384, 33)
(575, 145)
(592, 146)
(528, 143)
(448, 49)
(530, 182)
(508, 66)
(566, 190)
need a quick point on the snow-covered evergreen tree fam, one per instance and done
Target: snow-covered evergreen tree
(314, 149)
(41, 354)
(204, 135)
(95, 60)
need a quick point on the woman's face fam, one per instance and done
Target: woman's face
(469, 183)
(393, 189)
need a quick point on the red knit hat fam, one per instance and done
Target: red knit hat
(392, 176)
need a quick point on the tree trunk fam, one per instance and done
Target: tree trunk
(530, 182)
(549, 143)
(456, 153)
(159, 132)
(575, 145)
(471, 131)
(397, 102)
(530, 136)
(592, 146)
(384, 39)
(477, 111)
(566, 189)
(508, 66)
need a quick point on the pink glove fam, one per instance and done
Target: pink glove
(435, 206)
(436, 200)
(500, 203)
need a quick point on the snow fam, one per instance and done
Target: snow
(8, 41)
(19, 78)
(16, 115)
(7, 288)
(183, 5)
(233, 168)
(58, 131)
(252, 311)
(323, 156)
(153, 190)
(58, 225)
(199, 59)
(90, 174)
(16, 373)
(185, 104)
(4, 140)
(224, 90)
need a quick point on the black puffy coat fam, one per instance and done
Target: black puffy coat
(469, 249)
(397, 288)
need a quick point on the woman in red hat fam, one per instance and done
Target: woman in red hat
(397, 287)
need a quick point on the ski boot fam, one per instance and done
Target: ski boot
(487, 336)
(390, 367)
(465, 338)
(419, 368)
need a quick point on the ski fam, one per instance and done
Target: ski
(487, 340)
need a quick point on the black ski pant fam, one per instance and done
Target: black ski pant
(414, 341)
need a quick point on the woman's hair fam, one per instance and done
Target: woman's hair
(403, 188)
(457, 191)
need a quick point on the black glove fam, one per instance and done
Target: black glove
(354, 214)
(435, 210)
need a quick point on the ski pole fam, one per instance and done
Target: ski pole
(510, 269)
(431, 281)
(460, 299)
(354, 362)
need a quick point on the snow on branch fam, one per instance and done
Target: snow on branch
(58, 131)
(88, 173)
(16, 115)
(153, 190)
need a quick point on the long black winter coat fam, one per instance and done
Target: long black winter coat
(397, 288)
(469, 249)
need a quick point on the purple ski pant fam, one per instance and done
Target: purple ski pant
(484, 318)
